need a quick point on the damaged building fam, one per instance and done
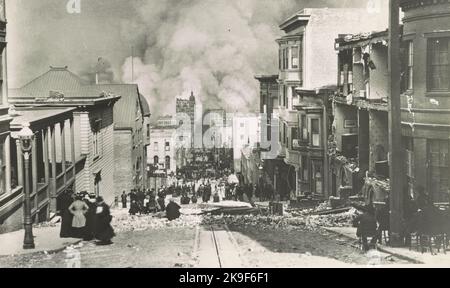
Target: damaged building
(359, 144)
(307, 79)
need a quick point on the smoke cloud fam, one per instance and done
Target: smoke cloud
(211, 47)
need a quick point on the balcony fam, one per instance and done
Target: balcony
(293, 157)
(290, 116)
(291, 76)
(299, 144)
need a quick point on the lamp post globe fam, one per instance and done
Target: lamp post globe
(26, 138)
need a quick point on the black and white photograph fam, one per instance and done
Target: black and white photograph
(224, 134)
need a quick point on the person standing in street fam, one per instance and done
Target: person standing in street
(78, 209)
(173, 210)
(367, 227)
(103, 229)
(66, 217)
(90, 217)
(124, 200)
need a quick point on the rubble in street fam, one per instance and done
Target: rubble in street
(194, 215)
(122, 222)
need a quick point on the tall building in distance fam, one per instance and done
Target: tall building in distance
(186, 109)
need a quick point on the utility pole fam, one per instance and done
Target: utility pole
(396, 163)
(132, 64)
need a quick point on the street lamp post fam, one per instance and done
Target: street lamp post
(26, 137)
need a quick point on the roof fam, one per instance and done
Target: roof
(56, 79)
(60, 82)
(125, 108)
(362, 39)
(145, 106)
(37, 117)
(300, 17)
(263, 78)
(59, 85)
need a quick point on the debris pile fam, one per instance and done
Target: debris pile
(332, 220)
(304, 221)
(126, 223)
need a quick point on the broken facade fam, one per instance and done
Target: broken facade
(308, 69)
(359, 143)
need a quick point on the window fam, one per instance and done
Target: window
(295, 57)
(148, 130)
(317, 178)
(409, 159)
(294, 135)
(438, 64)
(410, 66)
(285, 59)
(305, 172)
(439, 163)
(315, 132)
(155, 147)
(167, 146)
(96, 143)
(168, 163)
(2, 168)
(156, 160)
(280, 59)
(97, 138)
(304, 128)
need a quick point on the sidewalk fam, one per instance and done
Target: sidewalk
(46, 239)
(439, 260)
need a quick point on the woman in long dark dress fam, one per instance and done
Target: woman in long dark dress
(90, 217)
(103, 229)
(66, 216)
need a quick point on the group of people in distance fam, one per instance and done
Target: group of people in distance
(86, 216)
(146, 202)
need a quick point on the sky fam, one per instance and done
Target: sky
(211, 47)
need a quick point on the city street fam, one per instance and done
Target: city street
(200, 242)
(224, 134)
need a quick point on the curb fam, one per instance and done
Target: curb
(51, 251)
(380, 248)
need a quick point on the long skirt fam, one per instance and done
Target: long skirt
(66, 225)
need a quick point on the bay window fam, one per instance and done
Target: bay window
(2, 168)
(304, 127)
(295, 57)
(438, 64)
(439, 169)
(315, 132)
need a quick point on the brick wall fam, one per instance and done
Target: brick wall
(123, 173)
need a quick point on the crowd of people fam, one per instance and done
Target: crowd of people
(86, 216)
(145, 202)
